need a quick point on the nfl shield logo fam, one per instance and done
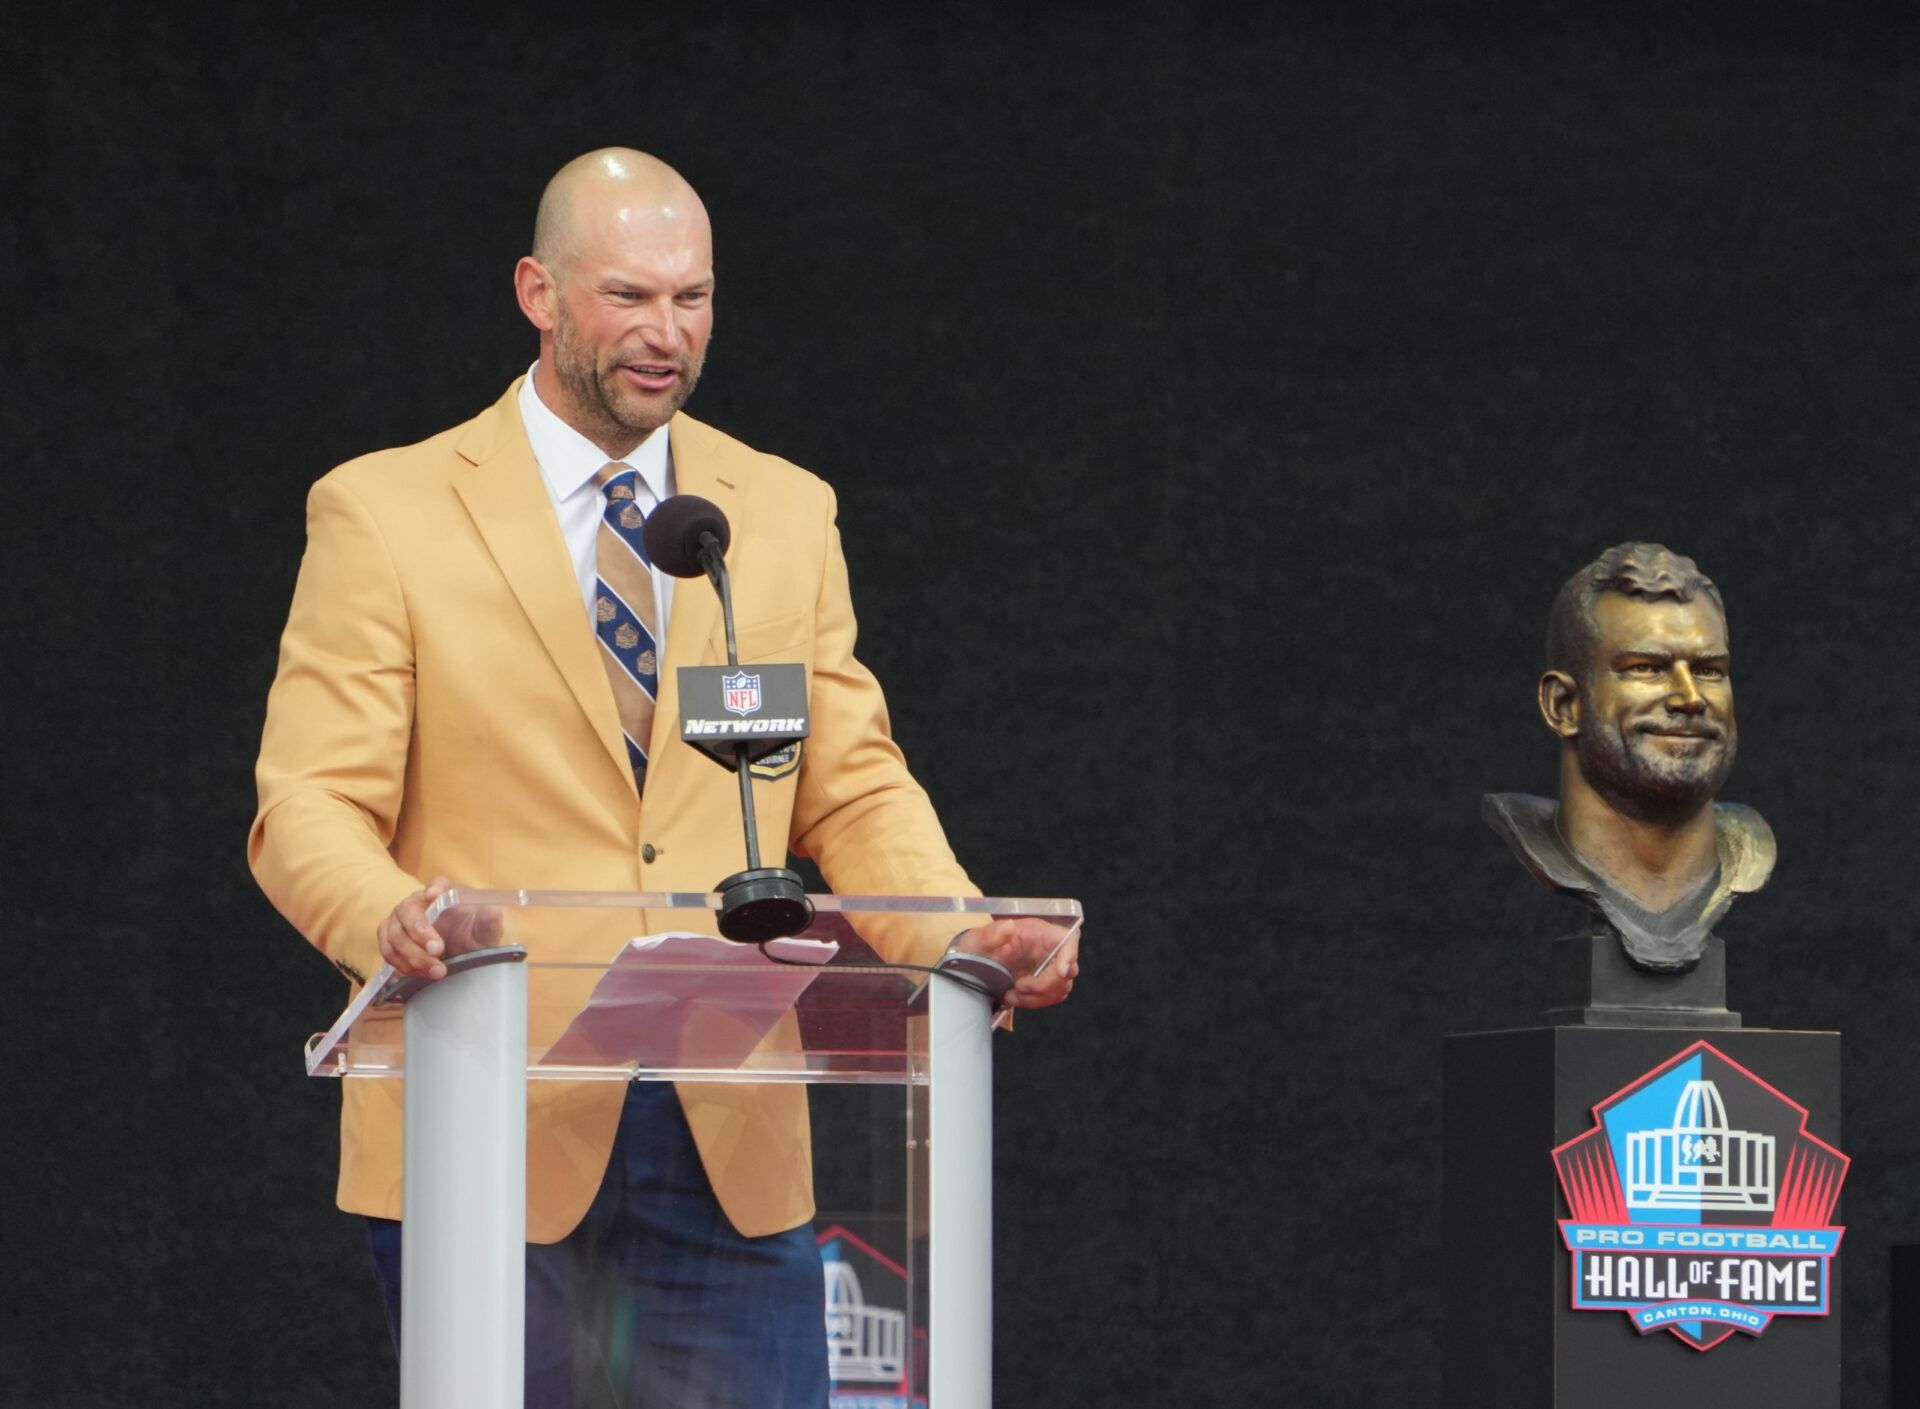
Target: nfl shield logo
(740, 693)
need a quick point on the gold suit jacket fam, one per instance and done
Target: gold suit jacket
(441, 708)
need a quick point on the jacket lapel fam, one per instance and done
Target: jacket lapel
(701, 465)
(508, 500)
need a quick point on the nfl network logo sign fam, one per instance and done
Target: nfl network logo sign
(1700, 1203)
(740, 693)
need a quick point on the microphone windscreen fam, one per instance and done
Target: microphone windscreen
(673, 531)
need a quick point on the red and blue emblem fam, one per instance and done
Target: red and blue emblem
(875, 1355)
(740, 693)
(1700, 1203)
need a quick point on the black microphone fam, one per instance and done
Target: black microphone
(675, 536)
(686, 536)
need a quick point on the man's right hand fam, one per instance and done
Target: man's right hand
(407, 941)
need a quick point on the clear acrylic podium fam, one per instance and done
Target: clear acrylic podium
(895, 1063)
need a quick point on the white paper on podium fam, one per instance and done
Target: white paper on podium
(688, 999)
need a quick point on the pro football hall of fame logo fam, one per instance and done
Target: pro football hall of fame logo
(871, 1349)
(1700, 1204)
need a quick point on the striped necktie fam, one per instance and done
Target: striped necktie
(623, 613)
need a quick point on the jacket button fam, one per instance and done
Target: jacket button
(647, 853)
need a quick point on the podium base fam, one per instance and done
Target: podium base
(1513, 1339)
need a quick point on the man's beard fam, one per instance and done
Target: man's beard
(597, 393)
(1634, 772)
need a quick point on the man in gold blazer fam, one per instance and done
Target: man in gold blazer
(442, 710)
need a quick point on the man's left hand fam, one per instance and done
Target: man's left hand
(1023, 946)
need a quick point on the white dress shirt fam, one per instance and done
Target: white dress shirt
(568, 462)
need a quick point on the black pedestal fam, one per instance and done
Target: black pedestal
(1595, 984)
(1512, 1337)
(1903, 1324)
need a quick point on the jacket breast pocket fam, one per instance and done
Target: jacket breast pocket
(785, 638)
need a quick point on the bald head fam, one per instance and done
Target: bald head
(620, 285)
(612, 196)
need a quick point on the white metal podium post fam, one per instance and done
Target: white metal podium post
(960, 1198)
(464, 1225)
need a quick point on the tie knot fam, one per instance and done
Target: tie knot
(622, 512)
(616, 480)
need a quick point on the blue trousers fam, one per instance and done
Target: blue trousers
(654, 1301)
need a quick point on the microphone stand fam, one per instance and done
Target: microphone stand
(761, 902)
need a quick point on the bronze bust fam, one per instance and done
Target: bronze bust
(1639, 688)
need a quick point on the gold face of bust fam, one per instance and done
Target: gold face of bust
(1656, 726)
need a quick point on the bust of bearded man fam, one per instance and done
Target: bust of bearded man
(1639, 689)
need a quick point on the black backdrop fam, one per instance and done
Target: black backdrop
(1215, 405)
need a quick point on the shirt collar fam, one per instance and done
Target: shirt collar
(568, 460)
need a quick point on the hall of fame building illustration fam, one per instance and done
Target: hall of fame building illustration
(863, 1342)
(1698, 1162)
